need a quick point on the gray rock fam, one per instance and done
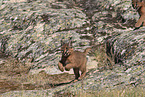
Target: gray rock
(34, 31)
(130, 45)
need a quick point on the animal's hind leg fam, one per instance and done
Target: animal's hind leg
(82, 75)
(76, 72)
(83, 72)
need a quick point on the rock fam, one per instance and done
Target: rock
(129, 47)
(36, 34)
(2, 62)
(33, 31)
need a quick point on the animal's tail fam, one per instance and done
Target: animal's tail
(87, 50)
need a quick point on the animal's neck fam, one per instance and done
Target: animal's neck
(63, 59)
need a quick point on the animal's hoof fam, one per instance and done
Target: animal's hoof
(79, 78)
(60, 66)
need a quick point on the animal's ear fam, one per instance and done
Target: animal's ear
(62, 42)
(70, 42)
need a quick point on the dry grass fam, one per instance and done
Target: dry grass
(122, 92)
(127, 92)
(15, 76)
(102, 58)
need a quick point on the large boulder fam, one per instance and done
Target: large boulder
(34, 31)
(31, 32)
(129, 48)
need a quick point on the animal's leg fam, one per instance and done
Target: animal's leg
(76, 72)
(83, 71)
(60, 66)
(140, 21)
(69, 66)
(82, 75)
(144, 23)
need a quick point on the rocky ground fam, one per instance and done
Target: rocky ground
(30, 35)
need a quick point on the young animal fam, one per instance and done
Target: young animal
(73, 59)
(139, 5)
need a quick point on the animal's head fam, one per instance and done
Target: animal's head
(142, 3)
(66, 48)
(138, 3)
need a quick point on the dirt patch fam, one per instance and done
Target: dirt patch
(6, 86)
(15, 76)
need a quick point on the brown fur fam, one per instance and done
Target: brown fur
(140, 7)
(73, 59)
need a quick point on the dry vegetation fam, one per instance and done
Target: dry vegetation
(104, 61)
(124, 92)
(15, 76)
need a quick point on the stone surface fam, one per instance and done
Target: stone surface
(31, 33)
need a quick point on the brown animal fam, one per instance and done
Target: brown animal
(139, 5)
(73, 59)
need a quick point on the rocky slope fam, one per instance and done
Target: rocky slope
(31, 32)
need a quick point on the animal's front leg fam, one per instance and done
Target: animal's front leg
(60, 66)
(76, 72)
(69, 66)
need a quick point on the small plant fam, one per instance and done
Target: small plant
(123, 92)
(104, 59)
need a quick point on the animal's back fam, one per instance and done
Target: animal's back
(78, 58)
